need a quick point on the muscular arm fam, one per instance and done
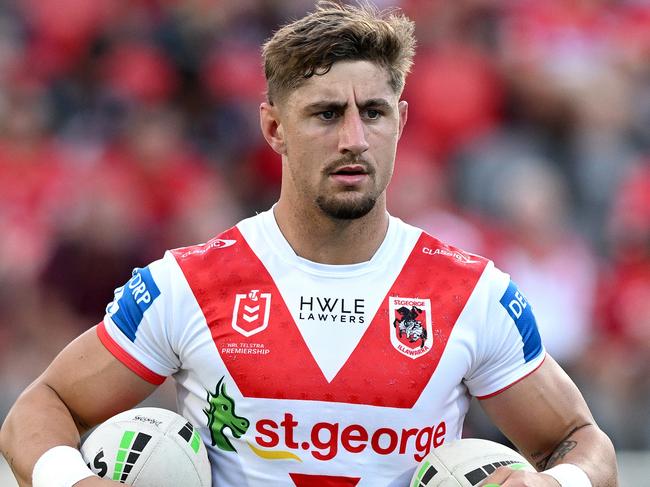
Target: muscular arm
(82, 387)
(546, 417)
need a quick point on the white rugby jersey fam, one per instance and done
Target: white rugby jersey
(302, 374)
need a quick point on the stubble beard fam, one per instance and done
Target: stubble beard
(348, 205)
(346, 208)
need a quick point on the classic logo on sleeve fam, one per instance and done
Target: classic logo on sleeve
(411, 328)
(132, 300)
(250, 314)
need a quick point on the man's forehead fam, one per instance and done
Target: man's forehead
(346, 80)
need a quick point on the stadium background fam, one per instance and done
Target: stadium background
(130, 126)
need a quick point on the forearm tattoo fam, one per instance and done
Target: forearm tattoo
(564, 447)
(560, 452)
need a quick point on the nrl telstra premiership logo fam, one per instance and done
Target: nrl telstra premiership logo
(251, 311)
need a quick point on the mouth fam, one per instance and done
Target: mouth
(350, 175)
(238, 428)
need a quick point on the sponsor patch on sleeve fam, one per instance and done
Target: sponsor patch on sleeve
(132, 300)
(520, 311)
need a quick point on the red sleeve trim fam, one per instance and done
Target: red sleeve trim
(124, 357)
(480, 398)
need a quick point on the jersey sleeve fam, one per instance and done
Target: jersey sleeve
(139, 324)
(509, 346)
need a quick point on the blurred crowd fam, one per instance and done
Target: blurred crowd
(130, 126)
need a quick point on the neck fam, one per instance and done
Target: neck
(317, 237)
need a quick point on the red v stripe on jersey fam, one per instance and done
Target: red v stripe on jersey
(216, 277)
(304, 480)
(370, 373)
(288, 370)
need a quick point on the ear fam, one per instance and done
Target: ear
(403, 110)
(272, 127)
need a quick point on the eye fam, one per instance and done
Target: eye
(373, 114)
(327, 115)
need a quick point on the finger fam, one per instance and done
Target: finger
(498, 477)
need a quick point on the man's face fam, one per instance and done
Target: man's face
(340, 133)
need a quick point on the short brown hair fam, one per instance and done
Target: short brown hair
(333, 32)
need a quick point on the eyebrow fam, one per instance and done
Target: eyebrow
(324, 105)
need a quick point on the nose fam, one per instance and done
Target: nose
(352, 135)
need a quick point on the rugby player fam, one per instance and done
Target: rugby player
(347, 343)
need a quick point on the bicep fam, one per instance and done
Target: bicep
(540, 411)
(92, 383)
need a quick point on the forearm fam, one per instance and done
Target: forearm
(588, 448)
(38, 421)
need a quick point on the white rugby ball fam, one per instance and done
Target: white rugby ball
(148, 447)
(465, 463)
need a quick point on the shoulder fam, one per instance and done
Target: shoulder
(445, 253)
(230, 252)
(201, 251)
(224, 245)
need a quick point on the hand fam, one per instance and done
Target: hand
(94, 481)
(507, 477)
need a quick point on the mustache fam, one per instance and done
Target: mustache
(336, 165)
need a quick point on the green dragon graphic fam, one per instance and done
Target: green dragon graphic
(221, 415)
